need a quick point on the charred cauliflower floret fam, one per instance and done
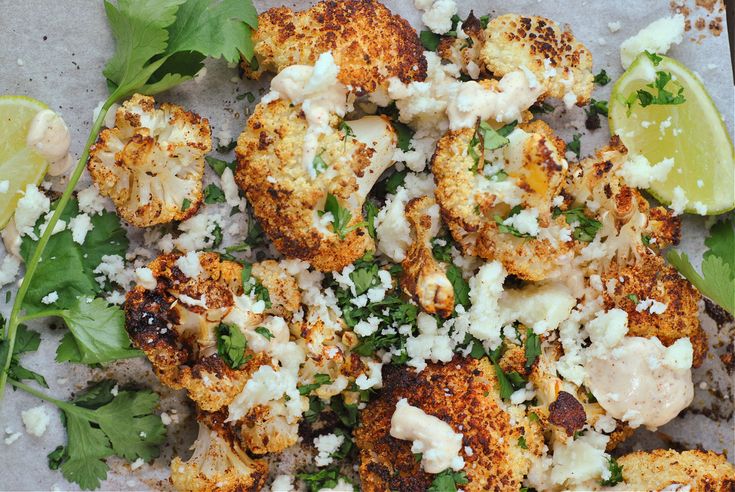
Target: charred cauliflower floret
(424, 278)
(218, 463)
(652, 279)
(666, 469)
(368, 42)
(463, 394)
(312, 213)
(500, 207)
(559, 62)
(152, 162)
(177, 321)
(628, 227)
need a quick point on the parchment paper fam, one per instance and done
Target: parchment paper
(55, 51)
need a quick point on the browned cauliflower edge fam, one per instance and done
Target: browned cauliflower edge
(368, 42)
(151, 163)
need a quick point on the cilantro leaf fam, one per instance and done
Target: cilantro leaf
(100, 424)
(541, 108)
(219, 166)
(231, 345)
(575, 146)
(442, 252)
(26, 341)
(460, 285)
(341, 217)
(319, 381)
(318, 164)
(213, 194)
(509, 382)
(371, 211)
(602, 78)
(662, 95)
(616, 473)
(265, 332)
(96, 334)
(447, 481)
(721, 242)
(429, 40)
(585, 228)
(326, 478)
(533, 347)
(395, 181)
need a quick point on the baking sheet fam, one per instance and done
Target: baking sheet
(55, 51)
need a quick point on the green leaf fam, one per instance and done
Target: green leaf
(533, 347)
(575, 146)
(231, 345)
(319, 381)
(348, 414)
(318, 164)
(96, 334)
(364, 277)
(371, 211)
(214, 29)
(522, 442)
(100, 424)
(721, 242)
(510, 229)
(321, 479)
(541, 108)
(66, 267)
(341, 217)
(655, 59)
(316, 406)
(585, 228)
(508, 383)
(185, 205)
(25, 341)
(662, 96)
(265, 332)
(213, 194)
(460, 285)
(219, 166)
(395, 181)
(429, 40)
(616, 473)
(602, 79)
(442, 252)
(447, 481)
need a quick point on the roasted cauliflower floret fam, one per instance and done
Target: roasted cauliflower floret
(498, 204)
(368, 42)
(424, 278)
(638, 286)
(312, 214)
(218, 463)
(559, 62)
(666, 469)
(177, 322)
(463, 394)
(152, 162)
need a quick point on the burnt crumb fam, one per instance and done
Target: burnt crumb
(568, 413)
(728, 358)
(719, 315)
(593, 120)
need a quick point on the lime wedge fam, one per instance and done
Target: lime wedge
(19, 164)
(693, 134)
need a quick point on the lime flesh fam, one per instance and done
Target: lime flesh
(693, 134)
(19, 164)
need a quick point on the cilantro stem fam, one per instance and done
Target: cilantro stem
(41, 314)
(15, 317)
(66, 406)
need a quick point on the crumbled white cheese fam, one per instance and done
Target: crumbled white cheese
(112, 268)
(4, 186)
(79, 227)
(230, 189)
(651, 305)
(137, 464)
(680, 201)
(639, 173)
(374, 379)
(90, 201)
(580, 460)
(540, 307)
(437, 14)
(367, 327)
(341, 486)
(11, 437)
(485, 290)
(9, 269)
(525, 221)
(393, 230)
(36, 420)
(700, 208)
(189, 264)
(614, 26)
(327, 445)
(429, 344)
(607, 329)
(32, 205)
(657, 37)
(438, 444)
(144, 277)
(282, 483)
(50, 298)
(197, 233)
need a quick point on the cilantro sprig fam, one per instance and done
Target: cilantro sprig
(448, 480)
(159, 44)
(341, 217)
(100, 424)
(717, 280)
